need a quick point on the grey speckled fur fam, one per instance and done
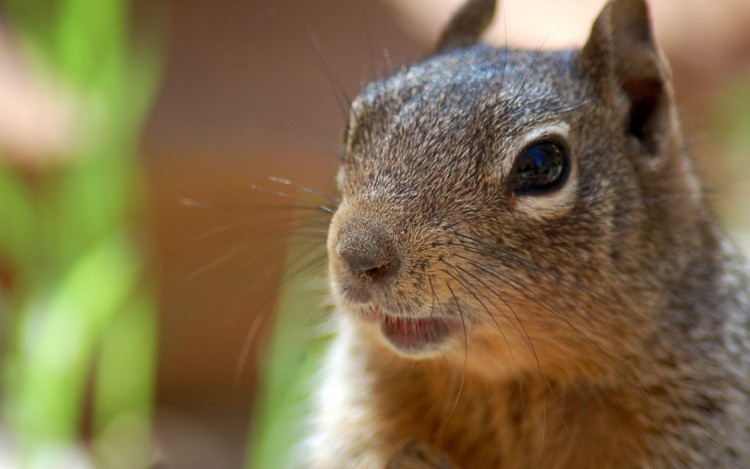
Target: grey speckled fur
(603, 324)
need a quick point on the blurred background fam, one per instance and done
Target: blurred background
(232, 127)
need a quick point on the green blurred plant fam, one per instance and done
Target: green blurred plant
(730, 127)
(80, 308)
(288, 371)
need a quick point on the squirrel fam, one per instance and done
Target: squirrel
(525, 270)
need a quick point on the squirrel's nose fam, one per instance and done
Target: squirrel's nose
(367, 252)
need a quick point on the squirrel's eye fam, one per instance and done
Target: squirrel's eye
(541, 166)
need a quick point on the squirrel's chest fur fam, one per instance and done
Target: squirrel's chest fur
(371, 405)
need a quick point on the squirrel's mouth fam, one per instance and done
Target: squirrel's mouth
(410, 335)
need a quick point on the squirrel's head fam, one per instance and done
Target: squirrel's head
(505, 202)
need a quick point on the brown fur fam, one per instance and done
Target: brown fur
(604, 327)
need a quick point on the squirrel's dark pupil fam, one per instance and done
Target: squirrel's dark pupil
(540, 166)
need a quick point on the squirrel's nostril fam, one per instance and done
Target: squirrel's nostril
(368, 267)
(376, 273)
(357, 261)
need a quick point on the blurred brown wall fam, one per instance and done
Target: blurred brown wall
(245, 94)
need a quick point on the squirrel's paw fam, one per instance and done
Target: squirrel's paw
(414, 455)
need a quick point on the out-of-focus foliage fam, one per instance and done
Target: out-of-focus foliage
(289, 372)
(731, 127)
(79, 307)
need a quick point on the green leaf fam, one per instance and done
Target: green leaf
(56, 341)
(124, 385)
(18, 232)
(294, 356)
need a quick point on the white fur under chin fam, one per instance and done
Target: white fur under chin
(341, 416)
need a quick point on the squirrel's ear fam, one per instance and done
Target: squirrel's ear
(630, 72)
(467, 24)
